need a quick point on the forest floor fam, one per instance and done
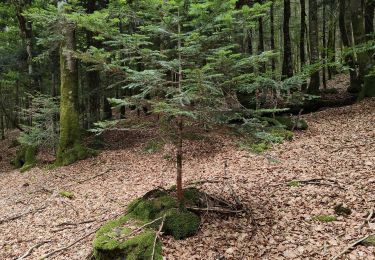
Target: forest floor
(339, 147)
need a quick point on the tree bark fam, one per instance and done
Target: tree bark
(324, 50)
(358, 23)
(272, 29)
(314, 46)
(354, 87)
(70, 144)
(287, 70)
(302, 39)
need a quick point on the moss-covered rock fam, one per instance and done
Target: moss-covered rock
(292, 123)
(148, 207)
(118, 239)
(25, 158)
(180, 223)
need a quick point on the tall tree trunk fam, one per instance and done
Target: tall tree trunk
(261, 40)
(324, 49)
(354, 87)
(331, 44)
(70, 144)
(93, 76)
(272, 29)
(302, 39)
(2, 127)
(369, 17)
(287, 70)
(358, 23)
(314, 45)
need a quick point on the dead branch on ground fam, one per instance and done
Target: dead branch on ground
(31, 249)
(351, 246)
(30, 211)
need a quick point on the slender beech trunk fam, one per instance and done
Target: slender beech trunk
(324, 49)
(261, 40)
(349, 59)
(2, 127)
(272, 29)
(287, 70)
(93, 76)
(302, 39)
(331, 44)
(180, 123)
(314, 45)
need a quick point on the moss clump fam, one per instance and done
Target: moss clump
(25, 158)
(370, 241)
(180, 223)
(147, 208)
(326, 218)
(193, 197)
(69, 156)
(260, 147)
(294, 183)
(115, 240)
(66, 194)
(341, 210)
(291, 123)
(282, 134)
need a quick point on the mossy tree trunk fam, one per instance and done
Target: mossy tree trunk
(314, 45)
(70, 144)
(179, 160)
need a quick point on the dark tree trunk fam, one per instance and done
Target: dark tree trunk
(314, 45)
(261, 42)
(369, 17)
(93, 76)
(358, 23)
(354, 87)
(324, 49)
(272, 25)
(302, 39)
(179, 154)
(332, 40)
(287, 70)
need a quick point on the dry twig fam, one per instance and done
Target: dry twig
(32, 248)
(156, 237)
(350, 247)
(30, 211)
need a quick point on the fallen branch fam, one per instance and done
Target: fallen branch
(368, 219)
(350, 247)
(217, 209)
(22, 214)
(156, 237)
(32, 248)
(69, 245)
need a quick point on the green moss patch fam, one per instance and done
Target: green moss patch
(25, 158)
(66, 194)
(294, 183)
(76, 153)
(325, 218)
(132, 235)
(122, 239)
(370, 241)
(292, 123)
(180, 223)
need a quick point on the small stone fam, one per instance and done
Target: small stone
(230, 251)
